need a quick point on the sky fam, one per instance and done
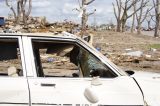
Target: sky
(59, 10)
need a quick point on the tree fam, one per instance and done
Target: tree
(85, 15)
(149, 19)
(157, 15)
(21, 12)
(118, 15)
(133, 22)
(122, 12)
(141, 15)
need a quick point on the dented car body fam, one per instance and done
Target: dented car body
(47, 70)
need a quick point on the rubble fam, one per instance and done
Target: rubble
(37, 24)
(148, 56)
(153, 49)
(122, 55)
(1, 30)
(134, 53)
(145, 60)
(129, 49)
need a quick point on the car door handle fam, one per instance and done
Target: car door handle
(48, 85)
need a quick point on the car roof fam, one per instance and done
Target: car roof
(58, 35)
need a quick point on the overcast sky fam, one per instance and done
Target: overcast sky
(59, 10)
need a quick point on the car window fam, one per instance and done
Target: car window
(66, 59)
(10, 62)
(92, 66)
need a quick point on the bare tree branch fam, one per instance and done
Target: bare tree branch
(88, 14)
(133, 3)
(147, 12)
(87, 3)
(115, 11)
(153, 19)
(21, 10)
(76, 9)
(119, 5)
(12, 9)
(143, 5)
(128, 4)
(29, 8)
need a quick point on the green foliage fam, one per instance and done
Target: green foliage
(156, 46)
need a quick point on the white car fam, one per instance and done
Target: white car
(50, 70)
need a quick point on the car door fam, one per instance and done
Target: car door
(13, 81)
(68, 73)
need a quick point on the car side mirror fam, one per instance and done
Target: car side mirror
(129, 72)
(91, 95)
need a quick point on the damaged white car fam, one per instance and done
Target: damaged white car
(49, 70)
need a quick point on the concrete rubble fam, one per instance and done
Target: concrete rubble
(38, 24)
(134, 53)
(147, 60)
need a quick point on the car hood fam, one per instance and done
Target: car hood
(150, 84)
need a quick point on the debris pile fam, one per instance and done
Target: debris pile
(147, 59)
(38, 24)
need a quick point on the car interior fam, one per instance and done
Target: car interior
(10, 62)
(63, 59)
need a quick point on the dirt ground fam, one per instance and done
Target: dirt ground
(114, 45)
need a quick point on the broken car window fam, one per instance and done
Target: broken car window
(53, 59)
(91, 66)
(10, 62)
(63, 59)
